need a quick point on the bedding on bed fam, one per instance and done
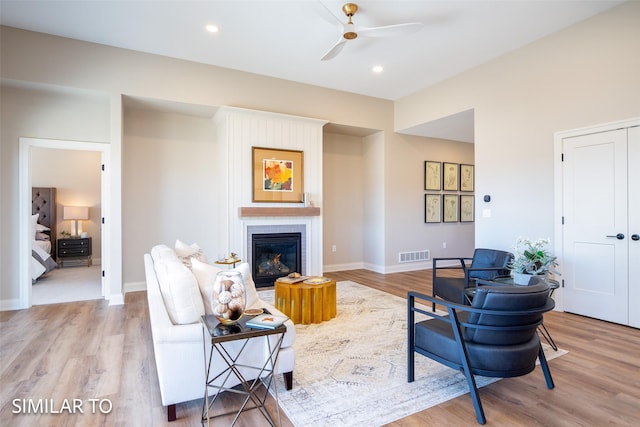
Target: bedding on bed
(41, 261)
(45, 245)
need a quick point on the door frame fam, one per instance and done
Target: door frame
(558, 185)
(24, 207)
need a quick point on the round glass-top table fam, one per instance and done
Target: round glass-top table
(508, 281)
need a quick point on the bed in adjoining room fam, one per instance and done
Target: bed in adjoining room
(43, 231)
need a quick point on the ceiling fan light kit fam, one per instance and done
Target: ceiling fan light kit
(349, 31)
(350, 35)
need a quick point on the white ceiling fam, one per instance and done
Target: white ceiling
(286, 39)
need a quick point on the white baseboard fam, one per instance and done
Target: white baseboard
(400, 268)
(14, 304)
(413, 266)
(374, 267)
(135, 286)
(342, 267)
(10, 304)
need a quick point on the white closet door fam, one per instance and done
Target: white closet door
(595, 268)
(634, 225)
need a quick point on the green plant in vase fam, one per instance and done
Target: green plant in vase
(532, 258)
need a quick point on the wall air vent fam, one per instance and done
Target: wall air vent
(415, 256)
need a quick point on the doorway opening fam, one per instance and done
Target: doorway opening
(77, 169)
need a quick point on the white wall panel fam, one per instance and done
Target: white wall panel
(243, 129)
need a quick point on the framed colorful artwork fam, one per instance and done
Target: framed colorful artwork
(432, 175)
(466, 177)
(450, 176)
(450, 207)
(467, 208)
(278, 175)
(432, 208)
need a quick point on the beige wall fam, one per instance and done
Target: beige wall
(169, 189)
(36, 57)
(404, 201)
(343, 196)
(582, 76)
(375, 210)
(358, 197)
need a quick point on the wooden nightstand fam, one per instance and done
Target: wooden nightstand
(74, 248)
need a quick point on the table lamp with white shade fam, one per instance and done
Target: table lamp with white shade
(76, 214)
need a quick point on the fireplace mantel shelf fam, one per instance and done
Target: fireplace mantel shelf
(246, 211)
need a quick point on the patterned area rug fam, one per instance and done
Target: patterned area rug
(351, 370)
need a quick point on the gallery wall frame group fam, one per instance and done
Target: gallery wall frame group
(452, 181)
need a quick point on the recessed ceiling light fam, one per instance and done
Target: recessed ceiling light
(212, 28)
(378, 69)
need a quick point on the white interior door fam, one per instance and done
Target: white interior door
(595, 231)
(634, 225)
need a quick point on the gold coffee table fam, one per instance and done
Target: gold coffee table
(306, 303)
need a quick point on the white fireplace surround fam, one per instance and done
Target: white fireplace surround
(237, 132)
(262, 228)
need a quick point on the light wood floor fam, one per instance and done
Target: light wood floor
(89, 350)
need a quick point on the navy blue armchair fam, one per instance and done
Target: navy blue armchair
(494, 337)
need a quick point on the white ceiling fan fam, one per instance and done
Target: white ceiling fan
(349, 31)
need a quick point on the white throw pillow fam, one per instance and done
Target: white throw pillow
(206, 277)
(160, 253)
(41, 228)
(180, 292)
(186, 252)
(252, 298)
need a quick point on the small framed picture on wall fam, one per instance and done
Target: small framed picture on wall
(467, 208)
(450, 207)
(466, 177)
(432, 175)
(432, 208)
(450, 176)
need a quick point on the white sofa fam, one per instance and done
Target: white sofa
(178, 348)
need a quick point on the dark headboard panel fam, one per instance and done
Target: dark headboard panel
(43, 201)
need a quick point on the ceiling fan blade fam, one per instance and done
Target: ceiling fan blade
(335, 50)
(326, 14)
(391, 30)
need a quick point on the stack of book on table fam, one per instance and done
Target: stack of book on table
(266, 321)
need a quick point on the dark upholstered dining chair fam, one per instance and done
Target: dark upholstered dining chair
(486, 264)
(494, 337)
